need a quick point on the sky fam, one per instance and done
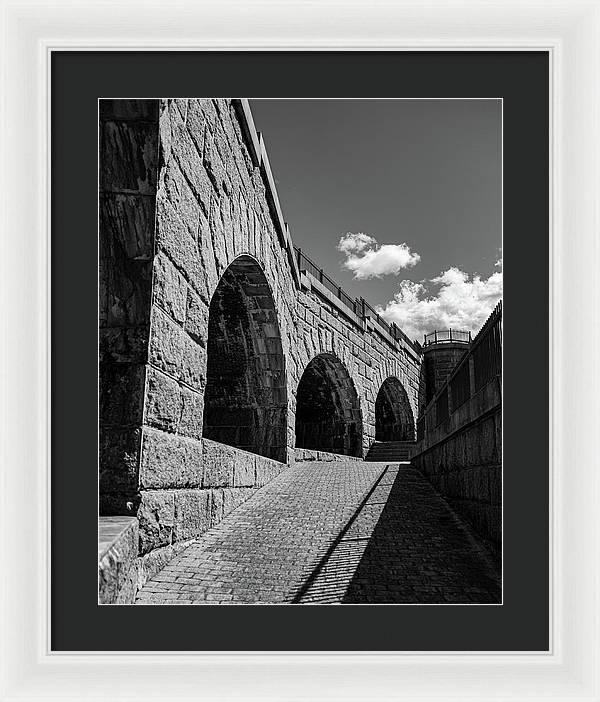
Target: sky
(400, 201)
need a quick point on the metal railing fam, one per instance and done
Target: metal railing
(479, 365)
(487, 349)
(359, 306)
(306, 264)
(448, 336)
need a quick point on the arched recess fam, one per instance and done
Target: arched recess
(245, 402)
(328, 416)
(394, 419)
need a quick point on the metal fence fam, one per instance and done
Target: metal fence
(487, 349)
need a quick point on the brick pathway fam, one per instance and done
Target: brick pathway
(329, 533)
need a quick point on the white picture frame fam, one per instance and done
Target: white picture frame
(570, 31)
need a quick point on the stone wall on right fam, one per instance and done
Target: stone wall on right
(465, 467)
(459, 435)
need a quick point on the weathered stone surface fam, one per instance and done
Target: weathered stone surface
(190, 422)
(244, 472)
(166, 343)
(219, 461)
(156, 515)
(193, 363)
(130, 151)
(121, 394)
(129, 220)
(170, 288)
(123, 345)
(190, 163)
(196, 322)
(119, 450)
(266, 470)
(192, 513)
(117, 553)
(163, 401)
(169, 460)
(465, 470)
(179, 193)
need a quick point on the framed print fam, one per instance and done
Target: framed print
(283, 312)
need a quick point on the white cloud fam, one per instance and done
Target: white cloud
(462, 302)
(367, 259)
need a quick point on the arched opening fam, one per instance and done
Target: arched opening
(393, 414)
(245, 402)
(328, 414)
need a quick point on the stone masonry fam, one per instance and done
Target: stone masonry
(199, 288)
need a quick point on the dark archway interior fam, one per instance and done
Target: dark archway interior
(393, 415)
(245, 403)
(328, 414)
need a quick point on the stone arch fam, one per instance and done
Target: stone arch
(394, 419)
(328, 415)
(245, 401)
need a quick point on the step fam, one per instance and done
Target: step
(390, 451)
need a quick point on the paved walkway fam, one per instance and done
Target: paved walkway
(330, 533)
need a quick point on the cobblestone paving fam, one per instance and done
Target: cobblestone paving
(330, 533)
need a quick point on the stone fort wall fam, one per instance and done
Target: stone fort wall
(209, 332)
(460, 435)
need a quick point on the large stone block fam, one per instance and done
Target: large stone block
(175, 240)
(196, 122)
(180, 195)
(219, 461)
(163, 401)
(213, 163)
(190, 163)
(121, 393)
(123, 345)
(192, 513)
(193, 363)
(495, 484)
(156, 516)
(196, 321)
(170, 288)
(119, 455)
(128, 290)
(266, 470)
(190, 422)
(129, 153)
(129, 221)
(244, 469)
(118, 540)
(166, 343)
(169, 460)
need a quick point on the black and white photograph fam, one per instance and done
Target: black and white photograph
(300, 351)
